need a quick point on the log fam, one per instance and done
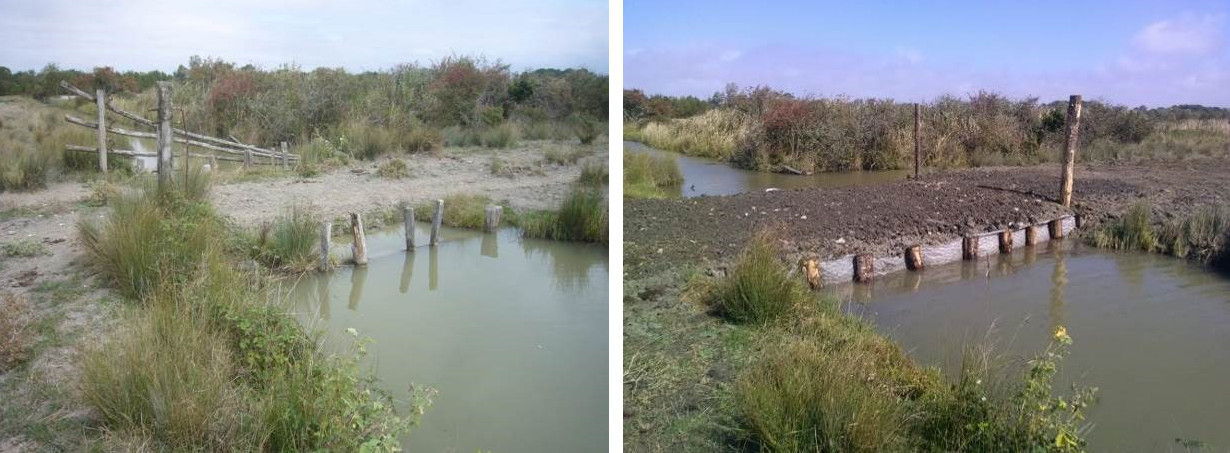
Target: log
(1031, 235)
(136, 134)
(164, 133)
(864, 267)
(1055, 228)
(1005, 241)
(359, 248)
(969, 248)
(436, 221)
(914, 258)
(492, 222)
(407, 214)
(101, 98)
(1069, 149)
(791, 170)
(326, 234)
(112, 129)
(811, 271)
(126, 152)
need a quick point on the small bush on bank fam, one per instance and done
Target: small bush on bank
(587, 129)
(581, 217)
(393, 169)
(593, 174)
(650, 176)
(289, 243)
(16, 336)
(759, 288)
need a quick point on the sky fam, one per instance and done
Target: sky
(354, 34)
(1154, 53)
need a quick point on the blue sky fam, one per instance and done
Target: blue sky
(1129, 52)
(354, 34)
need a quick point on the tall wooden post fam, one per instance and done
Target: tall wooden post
(492, 222)
(1069, 149)
(359, 248)
(864, 267)
(914, 258)
(917, 139)
(436, 221)
(164, 133)
(100, 98)
(407, 214)
(1005, 241)
(326, 234)
(969, 247)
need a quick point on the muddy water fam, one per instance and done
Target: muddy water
(511, 331)
(1151, 332)
(709, 177)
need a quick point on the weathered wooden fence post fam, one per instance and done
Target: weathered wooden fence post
(969, 248)
(436, 221)
(407, 214)
(1005, 241)
(359, 248)
(917, 139)
(326, 234)
(1031, 234)
(164, 133)
(914, 258)
(864, 267)
(247, 159)
(1069, 149)
(1055, 228)
(493, 217)
(100, 98)
(285, 157)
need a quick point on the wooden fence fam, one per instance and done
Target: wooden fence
(213, 148)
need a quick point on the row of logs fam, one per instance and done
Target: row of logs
(864, 263)
(359, 247)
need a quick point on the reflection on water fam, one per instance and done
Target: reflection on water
(1150, 332)
(708, 177)
(512, 332)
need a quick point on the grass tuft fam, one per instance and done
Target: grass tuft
(759, 288)
(393, 169)
(289, 243)
(23, 248)
(650, 176)
(16, 335)
(581, 217)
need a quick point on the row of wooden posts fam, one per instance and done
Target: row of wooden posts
(1072, 138)
(359, 247)
(165, 135)
(864, 263)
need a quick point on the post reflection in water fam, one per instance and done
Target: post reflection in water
(491, 245)
(433, 268)
(407, 271)
(322, 296)
(1059, 282)
(358, 277)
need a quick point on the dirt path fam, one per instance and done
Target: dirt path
(883, 219)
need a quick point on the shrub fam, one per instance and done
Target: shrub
(593, 174)
(289, 243)
(759, 288)
(587, 129)
(16, 336)
(501, 136)
(499, 167)
(650, 176)
(393, 169)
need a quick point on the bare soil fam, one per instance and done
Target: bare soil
(883, 219)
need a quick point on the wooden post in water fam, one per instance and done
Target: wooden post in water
(1055, 228)
(1031, 234)
(326, 234)
(359, 248)
(285, 157)
(969, 248)
(1005, 241)
(492, 222)
(436, 221)
(917, 139)
(164, 133)
(864, 267)
(1069, 149)
(914, 258)
(407, 214)
(100, 99)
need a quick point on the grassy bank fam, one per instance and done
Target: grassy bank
(203, 358)
(764, 129)
(779, 369)
(1203, 236)
(649, 176)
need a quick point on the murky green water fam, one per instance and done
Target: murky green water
(511, 331)
(709, 177)
(1151, 332)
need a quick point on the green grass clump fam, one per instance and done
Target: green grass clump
(563, 155)
(1132, 232)
(503, 135)
(593, 174)
(759, 288)
(581, 217)
(289, 243)
(393, 169)
(460, 210)
(650, 176)
(1203, 236)
(23, 248)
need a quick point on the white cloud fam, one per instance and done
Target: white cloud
(1187, 34)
